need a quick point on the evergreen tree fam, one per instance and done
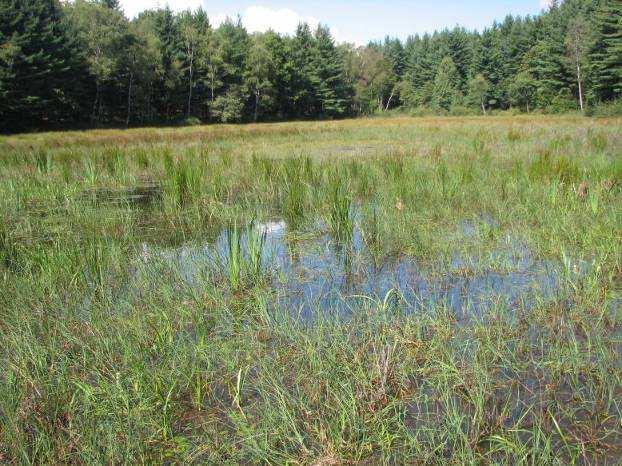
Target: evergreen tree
(460, 51)
(280, 50)
(492, 63)
(233, 49)
(63, 63)
(606, 54)
(41, 65)
(420, 71)
(302, 83)
(522, 91)
(169, 93)
(328, 76)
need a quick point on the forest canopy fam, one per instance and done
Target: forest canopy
(84, 63)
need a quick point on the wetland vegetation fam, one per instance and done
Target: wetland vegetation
(374, 291)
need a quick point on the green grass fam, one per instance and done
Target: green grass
(220, 373)
(244, 268)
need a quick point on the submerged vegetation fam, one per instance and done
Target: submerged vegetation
(389, 291)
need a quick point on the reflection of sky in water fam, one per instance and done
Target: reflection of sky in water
(317, 274)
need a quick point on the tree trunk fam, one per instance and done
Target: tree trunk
(483, 107)
(129, 100)
(580, 85)
(256, 106)
(190, 90)
(390, 99)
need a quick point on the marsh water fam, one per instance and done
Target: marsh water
(320, 274)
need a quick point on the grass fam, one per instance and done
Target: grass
(340, 204)
(244, 268)
(94, 372)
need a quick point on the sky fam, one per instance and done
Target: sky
(356, 21)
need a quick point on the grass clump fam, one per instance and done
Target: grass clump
(244, 267)
(548, 166)
(339, 205)
(185, 177)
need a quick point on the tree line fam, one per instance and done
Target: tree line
(84, 63)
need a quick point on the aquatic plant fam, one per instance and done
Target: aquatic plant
(186, 179)
(340, 203)
(294, 191)
(244, 267)
(235, 258)
(256, 241)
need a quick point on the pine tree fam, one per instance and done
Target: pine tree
(328, 77)
(606, 54)
(492, 63)
(302, 85)
(460, 51)
(420, 70)
(395, 53)
(41, 65)
(546, 62)
(284, 71)
(522, 91)
(170, 91)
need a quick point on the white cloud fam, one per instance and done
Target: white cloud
(261, 19)
(255, 18)
(133, 7)
(546, 3)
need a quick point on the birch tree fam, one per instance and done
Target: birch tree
(577, 47)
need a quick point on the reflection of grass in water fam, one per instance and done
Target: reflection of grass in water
(235, 258)
(340, 203)
(256, 241)
(204, 375)
(244, 269)
(298, 178)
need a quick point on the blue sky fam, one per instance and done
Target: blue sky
(355, 21)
